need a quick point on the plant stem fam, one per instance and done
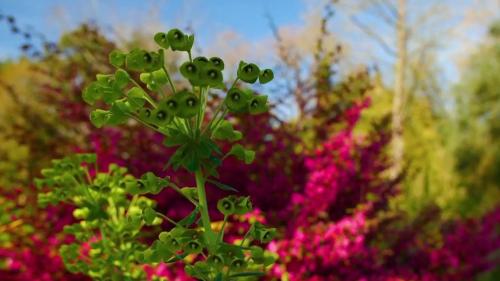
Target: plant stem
(202, 204)
(169, 80)
(146, 96)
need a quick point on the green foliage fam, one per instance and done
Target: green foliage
(477, 148)
(108, 206)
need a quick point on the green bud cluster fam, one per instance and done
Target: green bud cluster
(109, 207)
(112, 205)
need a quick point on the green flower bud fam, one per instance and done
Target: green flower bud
(262, 233)
(189, 104)
(266, 76)
(218, 63)
(124, 106)
(116, 58)
(99, 117)
(193, 247)
(92, 93)
(212, 77)
(237, 100)
(149, 215)
(257, 105)
(161, 39)
(201, 61)
(248, 72)
(238, 264)
(226, 206)
(161, 116)
(145, 114)
(140, 60)
(121, 78)
(191, 192)
(257, 254)
(243, 205)
(190, 70)
(81, 213)
(136, 98)
(170, 241)
(145, 78)
(215, 261)
(179, 41)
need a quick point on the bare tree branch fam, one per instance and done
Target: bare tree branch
(385, 46)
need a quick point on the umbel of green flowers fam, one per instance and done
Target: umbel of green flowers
(111, 206)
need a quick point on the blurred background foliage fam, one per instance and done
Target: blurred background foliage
(451, 132)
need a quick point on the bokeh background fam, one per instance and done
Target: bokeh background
(380, 158)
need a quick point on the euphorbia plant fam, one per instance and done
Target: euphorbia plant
(112, 206)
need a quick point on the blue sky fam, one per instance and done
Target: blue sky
(246, 17)
(52, 17)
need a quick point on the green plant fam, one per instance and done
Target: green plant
(112, 206)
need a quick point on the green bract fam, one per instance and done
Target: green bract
(218, 63)
(117, 58)
(161, 39)
(266, 76)
(248, 72)
(211, 76)
(161, 116)
(190, 70)
(111, 208)
(226, 206)
(237, 100)
(179, 41)
(140, 60)
(188, 105)
(257, 105)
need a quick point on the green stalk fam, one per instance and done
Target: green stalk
(202, 204)
(169, 79)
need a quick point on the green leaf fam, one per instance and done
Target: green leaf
(149, 215)
(248, 72)
(225, 131)
(217, 62)
(226, 205)
(136, 97)
(189, 219)
(266, 76)
(99, 117)
(175, 138)
(190, 70)
(237, 100)
(121, 78)
(118, 116)
(247, 274)
(92, 93)
(116, 58)
(242, 154)
(257, 105)
(222, 185)
(189, 104)
(161, 39)
(179, 41)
